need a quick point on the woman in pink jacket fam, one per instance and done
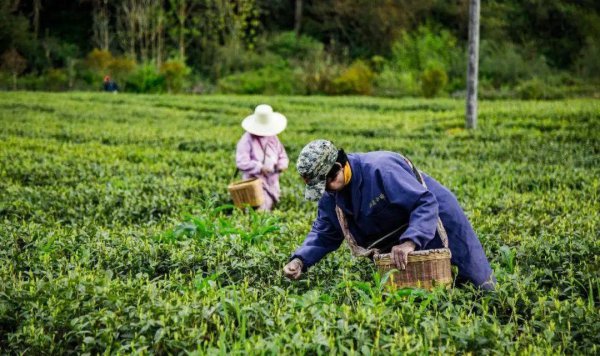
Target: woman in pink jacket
(260, 153)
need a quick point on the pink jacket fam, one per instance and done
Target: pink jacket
(255, 152)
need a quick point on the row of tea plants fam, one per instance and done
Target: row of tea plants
(117, 234)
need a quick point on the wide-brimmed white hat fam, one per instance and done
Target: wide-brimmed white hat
(264, 122)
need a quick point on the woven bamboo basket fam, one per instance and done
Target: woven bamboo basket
(247, 192)
(425, 269)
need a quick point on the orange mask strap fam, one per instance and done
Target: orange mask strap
(347, 173)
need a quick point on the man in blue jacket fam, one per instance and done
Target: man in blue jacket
(378, 193)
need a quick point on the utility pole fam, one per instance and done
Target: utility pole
(472, 70)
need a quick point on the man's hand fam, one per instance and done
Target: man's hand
(293, 269)
(399, 254)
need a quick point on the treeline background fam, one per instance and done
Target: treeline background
(530, 49)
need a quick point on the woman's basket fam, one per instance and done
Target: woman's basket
(425, 269)
(247, 192)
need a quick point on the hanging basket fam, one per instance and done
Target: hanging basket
(247, 192)
(425, 269)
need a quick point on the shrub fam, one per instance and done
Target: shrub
(429, 55)
(316, 75)
(235, 58)
(98, 60)
(504, 63)
(121, 67)
(13, 63)
(267, 80)
(536, 89)
(175, 73)
(356, 79)
(392, 83)
(32, 81)
(146, 79)
(433, 81)
(588, 63)
(200, 85)
(414, 51)
(377, 63)
(56, 79)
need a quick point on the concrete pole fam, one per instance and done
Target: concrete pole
(472, 70)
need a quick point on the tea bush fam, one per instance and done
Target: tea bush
(117, 234)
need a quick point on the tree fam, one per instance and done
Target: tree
(365, 27)
(13, 63)
(101, 25)
(298, 18)
(37, 7)
(140, 29)
(181, 14)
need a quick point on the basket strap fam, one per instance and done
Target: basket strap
(264, 149)
(357, 251)
(440, 226)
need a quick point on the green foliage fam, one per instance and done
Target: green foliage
(15, 31)
(266, 80)
(587, 64)
(119, 68)
(535, 89)
(57, 79)
(118, 236)
(289, 46)
(504, 64)
(317, 74)
(175, 73)
(361, 27)
(13, 63)
(424, 58)
(391, 83)
(235, 58)
(356, 79)
(433, 81)
(146, 79)
(520, 39)
(99, 63)
(416, 51)
(99, 60)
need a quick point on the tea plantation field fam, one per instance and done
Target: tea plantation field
(117, 237)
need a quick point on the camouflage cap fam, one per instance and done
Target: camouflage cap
(314, 162)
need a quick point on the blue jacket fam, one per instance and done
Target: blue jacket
(383, 195)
